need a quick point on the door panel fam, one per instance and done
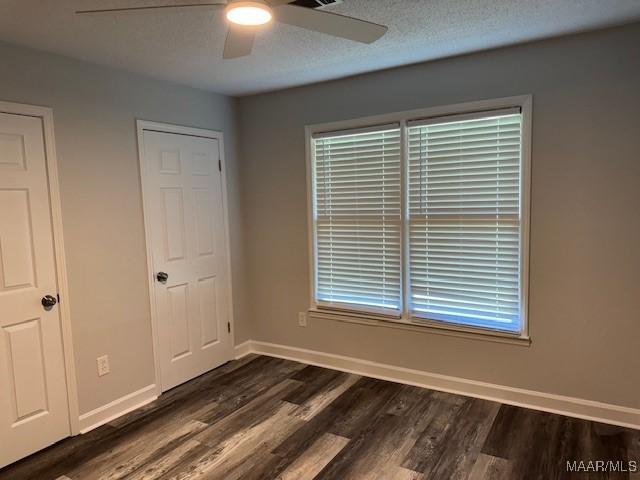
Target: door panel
(208, 296)
(26, 364)
(174, 228)
(17, 242)
(184, 208)
(205, 239)
(33, 393)
(12, 152)
(179, 320)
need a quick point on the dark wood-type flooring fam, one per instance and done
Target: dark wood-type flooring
(265, 418)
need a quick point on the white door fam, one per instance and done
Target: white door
(33, 392)
(184, 208)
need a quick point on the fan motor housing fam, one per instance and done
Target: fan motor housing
(316, 3)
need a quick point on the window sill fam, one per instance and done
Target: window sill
(418, 326)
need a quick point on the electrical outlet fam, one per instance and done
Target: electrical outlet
(302, 319)
(103, 365)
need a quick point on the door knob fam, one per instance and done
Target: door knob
(48, 302)
(162, 277)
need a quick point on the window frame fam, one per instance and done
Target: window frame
(369, 316)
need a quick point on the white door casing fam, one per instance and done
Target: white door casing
(187, 240)
(34, 407)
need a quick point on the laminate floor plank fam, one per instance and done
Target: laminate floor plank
(605, 443)
(263, 418)
(511, 433)
(346, 416)
(332, 396)
(251, 414)
(311, 462)
(488, 467)
(539, 445)
(126, 455)
(413, 423)
(381, 450)
(242, 391)
(164, 462)
(57, 460)
(325, 396)
(314, 379)
(199, 387)
(154, 454)
(351, 462)
(463, 440)
(528, 439)
(633, 452)
(372, 398)
(438, 413)
(399, 473)
(407, 398)
(227, 459)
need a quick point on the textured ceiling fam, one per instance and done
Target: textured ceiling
(186, 47)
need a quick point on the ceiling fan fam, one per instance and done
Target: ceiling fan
(246, 17)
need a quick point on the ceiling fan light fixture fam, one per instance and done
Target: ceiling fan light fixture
(249, 13)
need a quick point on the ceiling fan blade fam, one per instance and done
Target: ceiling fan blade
(330, 23)
(239, 42)
(157, 6)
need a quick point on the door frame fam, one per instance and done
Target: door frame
(141, 126)
(46, 115)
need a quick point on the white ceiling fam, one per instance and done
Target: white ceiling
(186, 47)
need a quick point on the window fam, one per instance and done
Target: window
(358, 219)
(423, 221)
(464, 220)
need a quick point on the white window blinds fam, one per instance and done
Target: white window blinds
(357, 219)
(465, 219)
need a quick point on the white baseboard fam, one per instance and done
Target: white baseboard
(242, 350)
(547, 402)
(117, 408)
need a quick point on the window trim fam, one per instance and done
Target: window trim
(406, 320)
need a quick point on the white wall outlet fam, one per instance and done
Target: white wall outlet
(103, 365)
(302, 319)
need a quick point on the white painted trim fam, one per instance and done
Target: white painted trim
(417, 114)
(227, 229)
(242, 350)
(117, 408)
(141, 126)
(150, 273)
(402, 119)
(436, 329)
(311, 214)
(546, 402)
(46, 114)
(525, 209)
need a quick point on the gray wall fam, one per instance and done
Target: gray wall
(585, 229)
(94, 114)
